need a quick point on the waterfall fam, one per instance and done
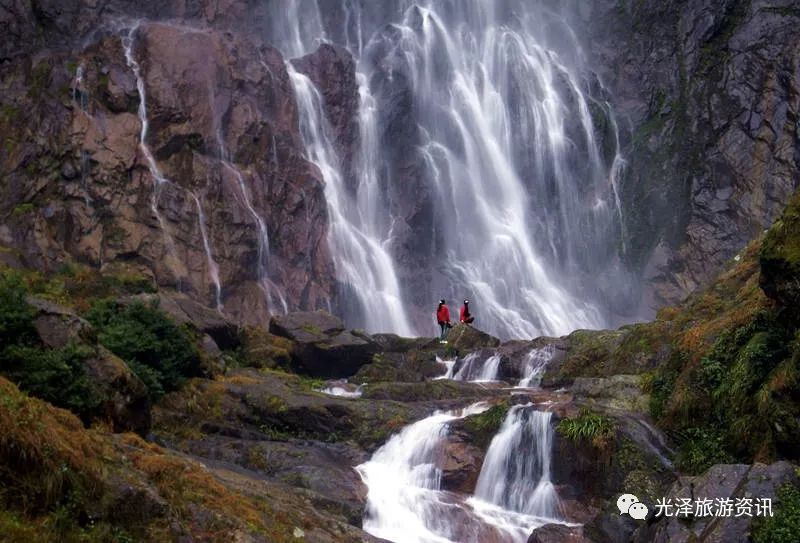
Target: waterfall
(478, 369)
(158, 178)
(449, 366)
(405, 502)
(213, 269)
(512, 148)
(360, 255)
(404, 480)
(535, 363)
(516, 470)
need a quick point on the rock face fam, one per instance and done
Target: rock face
(221, 193)
(710, 89)
(323, 347)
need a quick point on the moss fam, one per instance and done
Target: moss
(784, 525)
(483, 426)
(23, 209)
(40, 79)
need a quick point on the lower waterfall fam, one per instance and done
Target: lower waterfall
(514, 494)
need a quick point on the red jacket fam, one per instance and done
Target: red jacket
(443, 314)
(464, 313)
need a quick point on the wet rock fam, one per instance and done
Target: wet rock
(397, 344)
(461, 462)
(428, 390)
(720, 481)
(332, 69)
(323, 348)
(711, 153)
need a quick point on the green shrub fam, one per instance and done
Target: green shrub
(588, 426)
(701, 448)
(162, 354)
(16, 315)
(784, 526)
(55, 375)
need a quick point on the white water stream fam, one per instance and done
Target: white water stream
(524, 191)
(405, 502)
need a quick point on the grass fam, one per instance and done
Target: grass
(589, 427)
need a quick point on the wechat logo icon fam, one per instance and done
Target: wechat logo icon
(628, 504)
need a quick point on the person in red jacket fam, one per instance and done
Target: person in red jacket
(443, 318)
(466, 317)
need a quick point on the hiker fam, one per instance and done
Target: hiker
(466, 316)
(443, 318)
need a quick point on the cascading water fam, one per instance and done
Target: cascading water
(516, 470)
(535, 363)
(477, 367)
(213, 269)
(360, 254)
(405, 503)
(158, 178)
(523, 187)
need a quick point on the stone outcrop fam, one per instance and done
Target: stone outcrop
(323, 347)
(465, 338)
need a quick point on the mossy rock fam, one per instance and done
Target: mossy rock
(481, 428)
(399, 367)
(260, 349)
(416, 392)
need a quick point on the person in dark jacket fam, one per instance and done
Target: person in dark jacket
(443, 318)
(466, 317)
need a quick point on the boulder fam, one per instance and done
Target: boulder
(414, 366)
(464, 338)
(57, 325)
(260, 349)
(617, 391)
(184, 310)
(125, 401)
(323, 348)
